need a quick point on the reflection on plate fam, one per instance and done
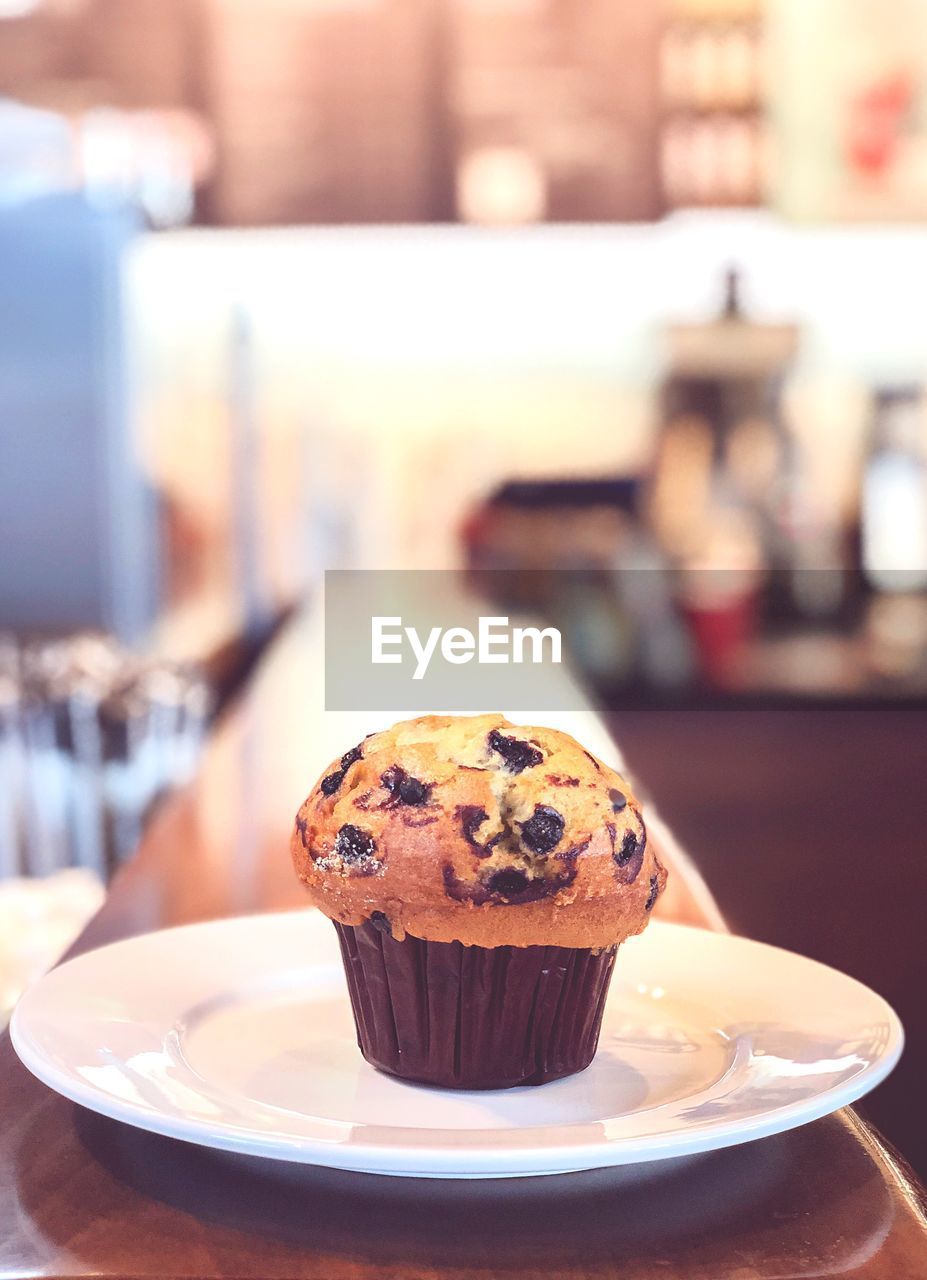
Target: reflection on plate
(238, 1035)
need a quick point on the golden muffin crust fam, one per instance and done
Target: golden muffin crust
(470, 829)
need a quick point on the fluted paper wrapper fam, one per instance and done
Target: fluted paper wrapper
(463, 1017)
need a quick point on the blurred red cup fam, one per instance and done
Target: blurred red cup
(720, 607)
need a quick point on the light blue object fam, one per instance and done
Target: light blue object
(78, 545)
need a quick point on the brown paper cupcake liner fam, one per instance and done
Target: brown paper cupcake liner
(463, 1017)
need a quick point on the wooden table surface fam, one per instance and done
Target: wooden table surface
(85, 1196)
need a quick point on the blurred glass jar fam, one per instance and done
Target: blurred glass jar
(90, 736)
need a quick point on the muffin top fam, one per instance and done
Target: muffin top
(474, 830)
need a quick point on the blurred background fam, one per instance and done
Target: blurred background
(629, 290)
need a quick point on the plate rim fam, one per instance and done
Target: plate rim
(360, 1154)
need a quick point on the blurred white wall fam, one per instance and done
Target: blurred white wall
(403, 371)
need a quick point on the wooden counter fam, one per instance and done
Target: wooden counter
(85, 1196)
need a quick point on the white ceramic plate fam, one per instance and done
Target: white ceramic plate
(237, 1034)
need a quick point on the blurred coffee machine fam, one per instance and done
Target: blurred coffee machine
(726, 490)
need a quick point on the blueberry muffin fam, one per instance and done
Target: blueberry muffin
(481, 877)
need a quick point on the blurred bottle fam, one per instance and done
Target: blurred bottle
(893, 516)
(811, 547)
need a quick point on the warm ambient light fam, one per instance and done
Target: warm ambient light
(501, 186)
